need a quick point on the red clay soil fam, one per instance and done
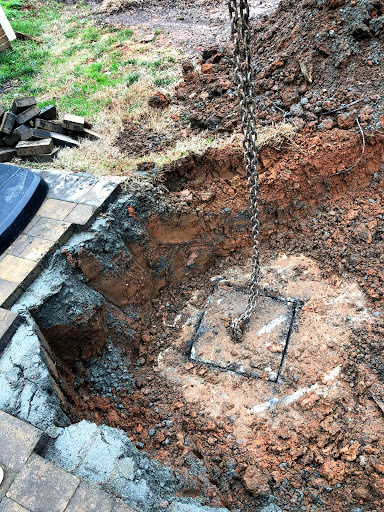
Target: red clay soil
(310, 57)
(330, 456)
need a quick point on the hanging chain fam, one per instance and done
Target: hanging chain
(241, 37)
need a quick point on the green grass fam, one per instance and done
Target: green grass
(132, 78)
(26, 58)
(164, 82)
(101, 72)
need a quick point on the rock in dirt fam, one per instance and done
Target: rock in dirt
(159, 100)
(256, 482)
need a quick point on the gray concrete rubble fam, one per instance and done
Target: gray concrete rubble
(27, 387)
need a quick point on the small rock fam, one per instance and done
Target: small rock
(366, 114)
(326, 124)
(298, 123)
(256, 482)
(159, 100)
(296, 110)
(206, 68)
(346, 121)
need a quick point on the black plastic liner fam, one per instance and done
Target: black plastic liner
(21, 195)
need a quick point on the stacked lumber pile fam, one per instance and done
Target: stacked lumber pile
(37, 134)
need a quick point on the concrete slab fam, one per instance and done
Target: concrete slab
(15, 269)
(18, 246)
(99, 193)
(49, 229)
(43, 487)
(8, 290)
(81, 214)
(260, 352)
(17, 440)
(78, 190)
(37, 249)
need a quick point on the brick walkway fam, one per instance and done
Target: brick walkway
(32, 483)
(72, 203)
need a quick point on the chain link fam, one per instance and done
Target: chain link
(244, 73)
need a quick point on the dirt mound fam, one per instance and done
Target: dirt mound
(311, 57)
(136, 140)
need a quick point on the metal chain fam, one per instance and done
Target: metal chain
(244, 73)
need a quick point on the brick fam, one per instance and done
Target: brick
(7, 123)
(15, 269)
(81, 214)
(8, 505)
(18, 439)
(12, 138)
(37, 249)
(27, 115)
(21, 129)
(64, 140)
(18, 246)
(4, 44)
(6, 155)
(55, 209)
(88, 498)
(35, 147)
(49, 157)
(37, 133)
(21, 104)
(9, 322)
(49, 229)
(52, 126)
(9, 476)
(43, 487)
(8, 291)
(74, 123)
(48, 113)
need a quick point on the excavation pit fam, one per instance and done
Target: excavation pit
(261, 351)
(121, 304)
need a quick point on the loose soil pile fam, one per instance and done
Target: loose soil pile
(310, 57)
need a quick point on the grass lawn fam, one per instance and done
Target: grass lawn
(98, 71)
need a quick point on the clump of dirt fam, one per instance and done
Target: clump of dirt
(137, 140)
(310, 57)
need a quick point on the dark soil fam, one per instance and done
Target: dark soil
(136, 140)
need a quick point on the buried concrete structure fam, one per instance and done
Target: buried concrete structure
(111, 362)
(265, 340)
